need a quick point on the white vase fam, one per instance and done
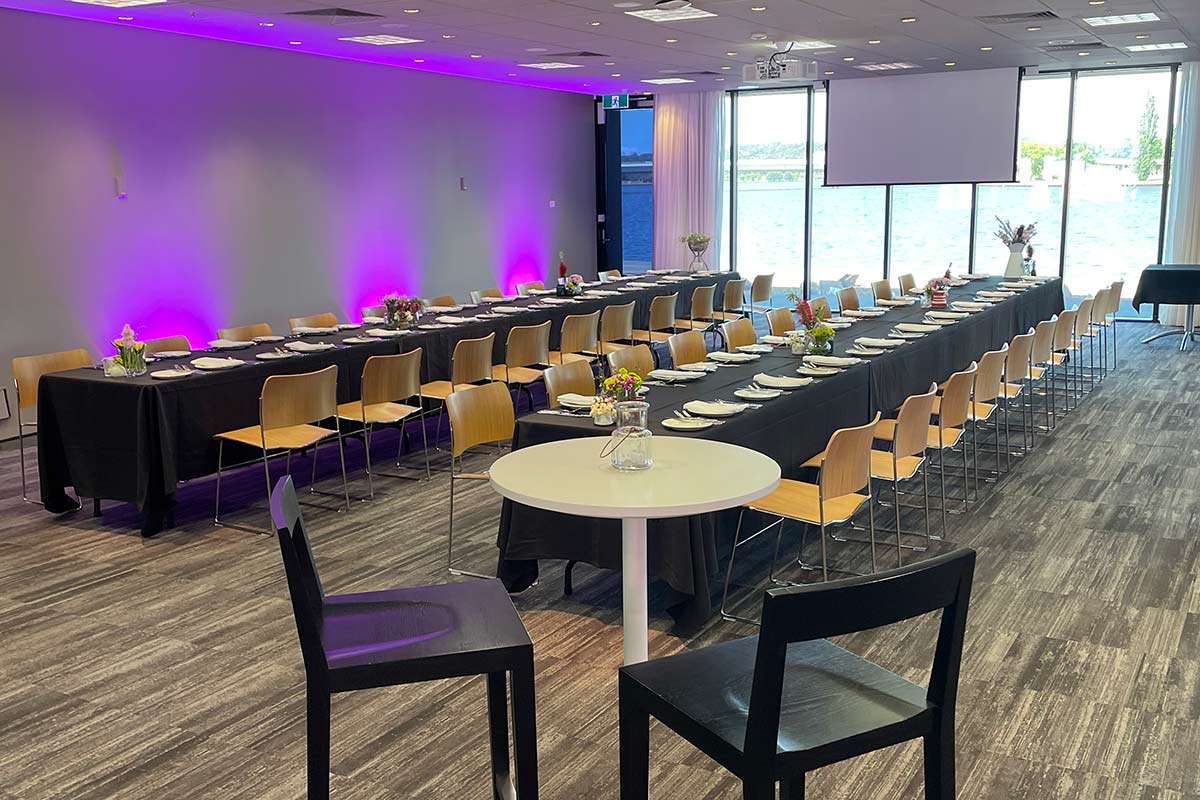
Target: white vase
(1015, 267)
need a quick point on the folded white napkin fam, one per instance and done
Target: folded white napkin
(870, 341)
(573, 400)
(780, 381)
(774, 339)
(672, 375)
(996, 294)
(701, 366)
(559, 301)
(508, 298)
(906, 301)
(758, 394)
(967, 305)
(755, 348)
(228, 344)
(348, 326)
(733, 358)
(384, 332)
(687, 424)
(838, 326)
(305, 330)
(947, 314)
(832, 361)
(705, 408)
(541, 291)
(373, 320)
(861, 314)
(601, 293)
(360, 340)
(442, 309)
(450, 320)
(208, 362)
(308, 347)
(507, 309)
(913, 327)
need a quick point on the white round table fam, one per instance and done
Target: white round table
(689, 476)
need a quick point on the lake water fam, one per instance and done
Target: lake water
(1112, 233)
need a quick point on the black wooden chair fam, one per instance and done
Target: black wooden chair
(398, 636)
(769, 712)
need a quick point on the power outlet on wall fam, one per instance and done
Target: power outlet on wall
(552, 204)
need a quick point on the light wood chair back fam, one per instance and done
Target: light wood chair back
(580, 333)
(390, 379)
(702, 302)
(1083, 317)
(523, 288)
(1064, 330)
(528, 345)
(326, 319)
(907, 283)
(479, 415)
(989, 378)
(446, 300)
(956, 398)
(374, 311)
(1043, 340)
(820, 307)
(1099, 304)
(847, 299)
(912, 424)
(28, 371)
(302, 399)
(491, 291)
(472, 360)
(687, 348)
(167, 343)
(1114, 297)
(244, 333)
(733, 297)
(637, 359)
(760, 289)
(574, 376)
(738, 333)
(609, 274)
(882, 290)
(662, 312)
(780, 321)
(1016, 365)
(847, 465)
(616, 323)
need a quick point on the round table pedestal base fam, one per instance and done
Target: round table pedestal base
(633, 579)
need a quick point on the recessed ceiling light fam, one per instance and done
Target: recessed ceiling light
(266, 24)
(1142, 48)
(886, 67)
(412, 11)
(1142, 36)
(418, 61)
(718, 79)
(1110, 63)
(119, 3)
(828, 72)
(125, 19)
(951, 63)
(448, 35)
(667, 81)
(610, 63)
(1033, 28)
(671, 14)
(1095, 2)
(848, 58)
(594, 23)
(730, 53)
(808, 44)
(1121, 19)
(758, 37)
(908, 20)
(536, 49)
(551, 65)
(985, 49)
(672, 41)
(615, 75)
(626, 5)
(476, 55)
(758, 8)
(378, 39)
(1084, 53)
(295, 41)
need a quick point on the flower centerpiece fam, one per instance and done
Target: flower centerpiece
(1015, 239)
(622, 386)
(131, 354)
(574, 284)
(604, 410)
(820, 339)
(934, 292)
(400, 312)
(816, 335)
(698, 244)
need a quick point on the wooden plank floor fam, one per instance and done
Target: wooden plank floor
(170, 668)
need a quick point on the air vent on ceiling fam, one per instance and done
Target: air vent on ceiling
(1091, 47)
(580, 54)
(332, 12)
(1012, 19)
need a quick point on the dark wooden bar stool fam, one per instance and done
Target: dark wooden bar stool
(387, 638)
(770, 713)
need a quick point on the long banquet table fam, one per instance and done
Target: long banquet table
(134, 439)
(791, 429)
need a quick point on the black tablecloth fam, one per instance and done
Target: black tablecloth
(790, 429)
(1177, 284)
(133, 439)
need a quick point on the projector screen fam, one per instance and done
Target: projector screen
(949, 127)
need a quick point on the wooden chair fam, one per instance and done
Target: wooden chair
(27, 373)
(1018, 371)
(393, 637)
(390, 395)
(326, 319)
(703, 316)
(1098, 323)
(760, 293)
(820, 307)
(616, 327)
(244, 333)
(478, 415)
(985, 399)
(1041, 357)
(882, 290)
(289, 408)
(732, 299)
(636, 359)
(1112, 308)
(662, 320)
(167, 344)
(1064, 359)
(687, 348)
(373, 311)
(1083, 334)
(523, 288)
(771, 708)
(445, 300)
(738, 333)
(906, 458)
(476, 296)
(835, 498)
(578, 340)
(526, 354)
(907, 283)
(780, 321)
(608, 275)
(847, 299)
(470, 364)
(573, 377)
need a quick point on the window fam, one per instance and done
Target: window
(1037, 196)
(1115, 198)
(637, 189)
(931, 229)
(772, 132)
(847, 224)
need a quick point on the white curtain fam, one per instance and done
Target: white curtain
(689, 134)
(1183, 196)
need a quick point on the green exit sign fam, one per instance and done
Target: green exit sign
(616, 101)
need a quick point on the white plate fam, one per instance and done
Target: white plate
(210, 363)
(703, 408)
(733, 358)
(226, 344)
(271, 338)
(773, 339)
(861, 313)
(305, 330)
(677, 424)
(507, 309)
(309, 347)
(385, 333)
(451, 320)
(831, 361)
(360, 339)
(170, 374)
(756, 348)
(863, 351)
(905, 334)
(871, 342)
(274, 356)
(348, 326)
(570, 400)
(847, 320)
(914, 327)
(817, 372)
(780, 381)
(947, 314)
(672, 375)
(757, 394)
(872, 308)
(373, 320)
(702, 366)
(442, 309)
(173, 354)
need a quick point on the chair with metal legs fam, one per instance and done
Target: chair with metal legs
(662, 324)
(167, 344)
(687, 348)
(526, 354)
(289, 410)
(478, 415)
(1040, 358)
(574, 377)
(882, 290)
(760, 293)
(1062, 362)
(732, 299)
(390, 386)
(616, 327)
(27, 372)
(636, 359)
(1097, 329)
(1114, 308)
(738, 333)
(780, 321)
(847, 299)
(837, 496)
(326, 319)
(702, 316)
(989, 386)
(907, 283)
(244, 333)
(578, 340)
(1083, 328)
(1018, 382)
(471, 364)
(820, 307)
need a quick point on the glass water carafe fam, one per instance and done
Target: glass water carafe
(631, 439)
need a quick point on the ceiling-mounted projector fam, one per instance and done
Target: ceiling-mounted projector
(672, 5)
